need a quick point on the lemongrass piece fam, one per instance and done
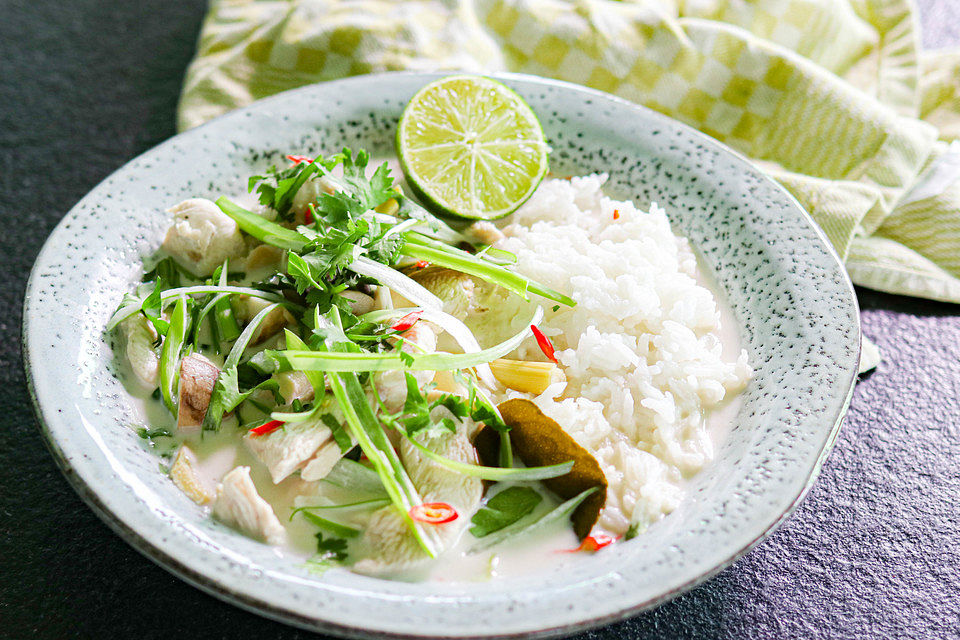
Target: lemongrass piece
(526, 376)
(184, 474)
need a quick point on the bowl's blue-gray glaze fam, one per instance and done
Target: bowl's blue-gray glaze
(796, 308)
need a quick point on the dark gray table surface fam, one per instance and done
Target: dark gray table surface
(873, 552)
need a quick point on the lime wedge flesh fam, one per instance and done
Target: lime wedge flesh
(471, 147)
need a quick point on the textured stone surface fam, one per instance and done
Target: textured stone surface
(873, 552)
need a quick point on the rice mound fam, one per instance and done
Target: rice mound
(641, 349)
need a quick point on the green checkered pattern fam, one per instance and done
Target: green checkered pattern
(832, 97)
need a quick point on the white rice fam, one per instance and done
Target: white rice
(641, 349)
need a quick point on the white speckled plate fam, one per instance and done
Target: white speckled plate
(797, 311)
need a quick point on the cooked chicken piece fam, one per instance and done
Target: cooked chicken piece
(248, 307)
(285, 450)
(293, 385)
(138, 337)
(202, 236)
(392, 547)
(185, 475)
(456, 289)
(322, 462)
(484, 232)
(197, 377)
(392, 385)
(239, 505)
(360, 303)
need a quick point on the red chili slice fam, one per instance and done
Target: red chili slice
(616, 214)
(544, 342)
(407, 321)
(422, 264)
(266, 428)
(592, 544)
(307, 216)
(297, 159)
(434, 513)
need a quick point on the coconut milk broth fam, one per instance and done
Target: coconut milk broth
(219, 452)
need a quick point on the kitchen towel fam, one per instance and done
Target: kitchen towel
(833, 98)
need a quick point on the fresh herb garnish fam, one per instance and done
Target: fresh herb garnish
(339, 432)
(503, 509)
(337, 529)
(558, 514)
(331, 548)
(150, 434)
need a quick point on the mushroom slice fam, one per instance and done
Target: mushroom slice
(239, 505)
(197, 378)
(185, 475)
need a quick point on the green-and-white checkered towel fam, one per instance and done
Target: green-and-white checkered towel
(834, 98)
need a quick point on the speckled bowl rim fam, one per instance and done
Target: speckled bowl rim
(222, 590)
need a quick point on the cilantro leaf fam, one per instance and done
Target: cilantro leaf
(305, 274)
(455, 404)
(361, 193)
(277, 187)
(227, 396)
(415, 407)
(503, 509)
(369, 192)
(330, 548)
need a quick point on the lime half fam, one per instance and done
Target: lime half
(471, 147)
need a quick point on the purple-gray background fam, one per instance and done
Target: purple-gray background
(873, 552)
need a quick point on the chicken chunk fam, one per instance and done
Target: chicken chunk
(239, 505)
(294, 385)
(197, 377)
(322, 462)
(484, 232)
(202, 236)
(285, 450)
(138, 337)
(457, 290)
(392, 547)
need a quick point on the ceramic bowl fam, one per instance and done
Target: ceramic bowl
(796, 308)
